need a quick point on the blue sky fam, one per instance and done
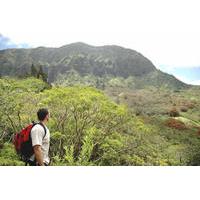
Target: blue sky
(190, 75)
(6, 43)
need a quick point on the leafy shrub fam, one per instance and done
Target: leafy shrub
(88, 128)
(8, 157)
(190, 105)
(184, 109)
(82, 120)
(174, 113)
(176, 124)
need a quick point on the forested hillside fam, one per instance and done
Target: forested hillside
(104, 65)
(94, 127)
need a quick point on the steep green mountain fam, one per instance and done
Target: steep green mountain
(102, 63)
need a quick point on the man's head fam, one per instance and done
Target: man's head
(43, 115)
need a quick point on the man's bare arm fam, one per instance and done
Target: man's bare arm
(38, 154)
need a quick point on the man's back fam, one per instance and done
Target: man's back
(39, 138)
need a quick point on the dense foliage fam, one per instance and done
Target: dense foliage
(88, 128)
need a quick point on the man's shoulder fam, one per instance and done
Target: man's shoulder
(38, 127)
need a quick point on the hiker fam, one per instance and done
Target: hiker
(40, 136)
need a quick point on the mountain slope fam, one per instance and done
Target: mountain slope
(101, 61)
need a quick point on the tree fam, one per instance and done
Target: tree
(34, 71)
(76, 111)
(41, 74)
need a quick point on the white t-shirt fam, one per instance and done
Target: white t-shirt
(37, 135)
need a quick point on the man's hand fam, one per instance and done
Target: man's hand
(38, 154)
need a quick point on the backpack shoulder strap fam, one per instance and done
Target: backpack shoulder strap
(45, 130)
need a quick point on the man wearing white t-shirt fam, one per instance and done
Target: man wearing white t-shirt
(40, 136)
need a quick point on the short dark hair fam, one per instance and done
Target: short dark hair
(42, 113)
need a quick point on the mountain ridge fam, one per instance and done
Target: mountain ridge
(107, 60)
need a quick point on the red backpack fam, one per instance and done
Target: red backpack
(23, 142)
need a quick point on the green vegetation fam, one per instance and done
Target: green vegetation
(109, 106)
(117, 126)
(97, 66)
